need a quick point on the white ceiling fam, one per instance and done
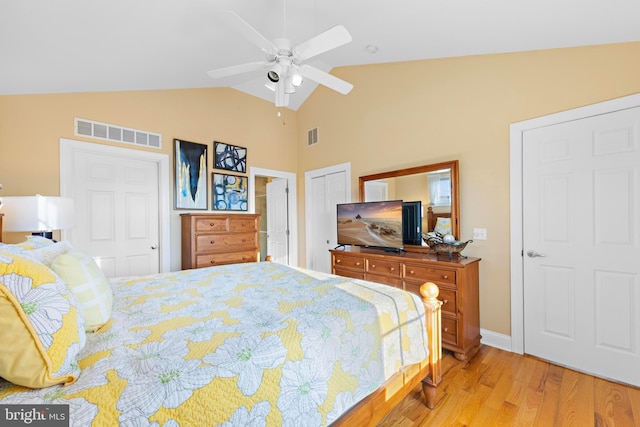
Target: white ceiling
(53, 46)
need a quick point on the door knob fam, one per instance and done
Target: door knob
(154, 246)
(534, 254)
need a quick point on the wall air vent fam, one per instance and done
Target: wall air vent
(115, 133)
(312, 136)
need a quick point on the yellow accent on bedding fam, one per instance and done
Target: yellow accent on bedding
(238, 345)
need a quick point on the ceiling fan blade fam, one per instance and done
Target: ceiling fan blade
(236, 69)
(326, 79)
(250, 33)
(330, 39)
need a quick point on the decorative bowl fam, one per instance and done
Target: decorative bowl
(452, 249)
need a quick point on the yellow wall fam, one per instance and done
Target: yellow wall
(408, 114)
(32, 125)
(398, 115)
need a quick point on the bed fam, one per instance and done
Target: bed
(243, 344)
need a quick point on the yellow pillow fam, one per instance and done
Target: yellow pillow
(88, 284)
(443, 226)
(41, 328)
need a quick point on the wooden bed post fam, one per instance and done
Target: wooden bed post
(429, 292)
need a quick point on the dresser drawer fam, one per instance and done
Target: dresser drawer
(349, 262)
(225, 258)
(348, 273)
(386, 280)
(378, 266)
(449, 330)
(225, 242)
(447, 296)
(210, 224)
(429, 274)
(242, 224)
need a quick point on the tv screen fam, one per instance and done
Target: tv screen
(371, 224)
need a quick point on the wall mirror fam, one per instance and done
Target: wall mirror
(435, 186)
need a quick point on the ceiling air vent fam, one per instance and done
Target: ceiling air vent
(115, 133)
(312, 136)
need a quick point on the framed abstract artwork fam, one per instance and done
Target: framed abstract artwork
(230, 157)
(191, 184)
(230, 192)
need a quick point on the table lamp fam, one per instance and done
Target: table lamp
(40, 215)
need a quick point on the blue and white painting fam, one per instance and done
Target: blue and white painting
(191, 175)
(230, 192)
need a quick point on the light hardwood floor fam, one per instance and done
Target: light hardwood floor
(499, 388)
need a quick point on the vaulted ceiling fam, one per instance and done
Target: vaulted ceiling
(110, 45)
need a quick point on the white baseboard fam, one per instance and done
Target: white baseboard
(494, 339)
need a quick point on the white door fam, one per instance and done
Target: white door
(277, 221)
(581, 240)
(325, 188)
(117, 209)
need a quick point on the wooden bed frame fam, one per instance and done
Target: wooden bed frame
(375, 406)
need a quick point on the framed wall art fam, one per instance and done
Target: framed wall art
(230, 157)
(191, 184)
(230, 192)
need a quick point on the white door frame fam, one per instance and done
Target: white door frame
(67, 149)
(308, 176)
(293, 205)
(516, 198)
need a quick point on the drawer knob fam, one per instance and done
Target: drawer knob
(213, 241)
(338, 261)
(211, 224)
(373, 266)
(358, 263)
(392, 269)
(412, 272)
(213, 261)
(445, 301)
(244, 240)
(446, 329)
(444, 276)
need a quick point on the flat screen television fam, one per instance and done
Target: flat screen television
(371, 224)
(412, 223)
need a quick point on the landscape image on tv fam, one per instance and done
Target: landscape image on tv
(377, 224)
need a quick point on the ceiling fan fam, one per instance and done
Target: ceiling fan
(284, 64)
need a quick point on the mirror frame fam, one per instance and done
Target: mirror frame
(455, 193)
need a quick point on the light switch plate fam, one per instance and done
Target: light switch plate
(480, 234)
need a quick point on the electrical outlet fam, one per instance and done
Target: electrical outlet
(480, 234)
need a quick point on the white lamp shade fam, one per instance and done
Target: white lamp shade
(37, 213)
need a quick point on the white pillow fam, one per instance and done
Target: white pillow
(47, 254)
(89, 286)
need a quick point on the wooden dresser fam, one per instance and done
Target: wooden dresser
(215, 239)
(457, 279)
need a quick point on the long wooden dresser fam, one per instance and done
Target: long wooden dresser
(216, 239)
(458, 280)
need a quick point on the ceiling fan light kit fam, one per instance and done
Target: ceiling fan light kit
(284, 64)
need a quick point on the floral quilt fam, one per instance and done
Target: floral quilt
(257, 344)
